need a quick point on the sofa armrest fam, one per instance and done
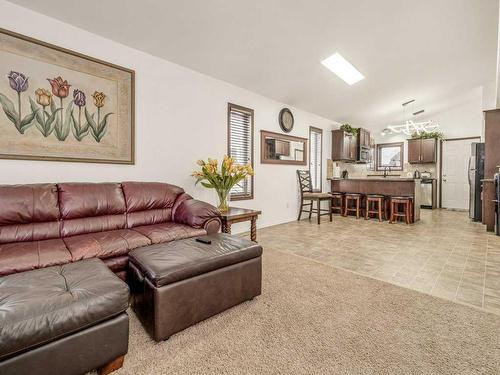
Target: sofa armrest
(198, 214)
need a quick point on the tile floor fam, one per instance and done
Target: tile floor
(444, 254)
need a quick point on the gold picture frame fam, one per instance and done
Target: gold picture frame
(60, 105)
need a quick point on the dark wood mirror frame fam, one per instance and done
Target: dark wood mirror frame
(379, 154)
(264, 160)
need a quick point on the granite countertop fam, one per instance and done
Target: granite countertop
(385, 179)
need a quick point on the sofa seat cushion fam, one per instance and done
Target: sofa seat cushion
(117, 264)
(170, 231)
(104, 244)
(25, 256)
(164, 264)
(40, 306)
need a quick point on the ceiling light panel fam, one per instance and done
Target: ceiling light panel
(342, 68)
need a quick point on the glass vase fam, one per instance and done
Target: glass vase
(223, 201)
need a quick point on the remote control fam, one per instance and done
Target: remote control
(204, 240)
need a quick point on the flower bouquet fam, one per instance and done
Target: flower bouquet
(222, 180)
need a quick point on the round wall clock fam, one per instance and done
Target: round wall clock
(286, 120)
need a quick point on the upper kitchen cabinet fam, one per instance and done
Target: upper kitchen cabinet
(422, 151)
(344, 146)
(363, 138)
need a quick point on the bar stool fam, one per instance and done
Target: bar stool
(355, 199)
(377, 202)
(337, 201)
(404, 202)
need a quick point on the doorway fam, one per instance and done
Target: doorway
(455, 155)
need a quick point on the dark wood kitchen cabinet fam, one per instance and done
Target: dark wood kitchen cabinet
(344, 146)
(422, 151)
(491, 161)
(363, 138)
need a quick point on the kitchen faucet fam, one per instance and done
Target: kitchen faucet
(385, 171)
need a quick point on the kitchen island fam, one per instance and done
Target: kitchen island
(381, 185)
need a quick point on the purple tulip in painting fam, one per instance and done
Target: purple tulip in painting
(51, 117)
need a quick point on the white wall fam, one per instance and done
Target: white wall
(180, 117)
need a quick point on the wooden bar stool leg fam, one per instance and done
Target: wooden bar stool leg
(380, 209)
(367, 207)
(301, 207)
(330, 208)
(346, 205)
(391, 218)
(357, 208)
(407, 217)
(318, 208)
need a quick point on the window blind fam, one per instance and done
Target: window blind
(240, 146)
(315, 151)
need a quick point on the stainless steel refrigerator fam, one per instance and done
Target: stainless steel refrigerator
(476, 174)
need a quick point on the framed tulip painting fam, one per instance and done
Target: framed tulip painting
(60, 105)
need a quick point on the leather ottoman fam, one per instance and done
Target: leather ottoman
(66, 319)
(175, 285)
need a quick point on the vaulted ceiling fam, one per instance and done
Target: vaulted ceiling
(428, 50)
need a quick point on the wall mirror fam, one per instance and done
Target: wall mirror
(390, 155)
(278, 148)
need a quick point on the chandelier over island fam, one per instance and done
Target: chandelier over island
(410, 127)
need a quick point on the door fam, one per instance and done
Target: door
(455, 173)
(353, 145)
(428, 150)
(414, 150)
(346, 150)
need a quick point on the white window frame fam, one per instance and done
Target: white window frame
(316, 158)
(248, 184)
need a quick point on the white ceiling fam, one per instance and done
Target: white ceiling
(428, 50)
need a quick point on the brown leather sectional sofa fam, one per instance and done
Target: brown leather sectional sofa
(57, 300)
(44, 225)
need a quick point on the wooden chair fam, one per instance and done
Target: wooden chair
(337, 202)
(353, 204)
(406, 203)
(374, 204)
(308, 197)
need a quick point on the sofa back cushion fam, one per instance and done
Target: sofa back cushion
(150, 202)
(88, 207)
(28, 213)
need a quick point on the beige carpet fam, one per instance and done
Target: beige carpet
(315, 319)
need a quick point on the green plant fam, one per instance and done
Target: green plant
(222, 180)
(426, 135)
(349, 129)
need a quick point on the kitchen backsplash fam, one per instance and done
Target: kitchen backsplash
(334, 169)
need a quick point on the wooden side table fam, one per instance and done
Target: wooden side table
(237, 215)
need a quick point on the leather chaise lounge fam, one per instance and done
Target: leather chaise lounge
(55, 301)
(67, 319)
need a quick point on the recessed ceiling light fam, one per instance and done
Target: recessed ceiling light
(343, 68)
